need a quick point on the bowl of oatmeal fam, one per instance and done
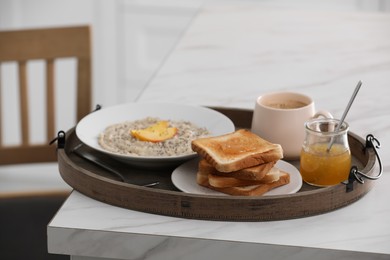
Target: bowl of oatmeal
(150, 135)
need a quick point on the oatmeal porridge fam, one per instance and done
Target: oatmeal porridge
(118, 138)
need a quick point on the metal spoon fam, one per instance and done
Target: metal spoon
(91, 158)
(357, 88)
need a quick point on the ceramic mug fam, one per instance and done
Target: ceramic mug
(280, 118)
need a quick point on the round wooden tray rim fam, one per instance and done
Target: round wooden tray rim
(228, 208)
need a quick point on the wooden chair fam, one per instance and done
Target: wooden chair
(18, 210)
(49, 45)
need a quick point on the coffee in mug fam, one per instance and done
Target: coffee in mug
(280, 118)
(288, 104)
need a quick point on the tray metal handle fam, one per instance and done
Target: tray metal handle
(356, 175)
(60, 138)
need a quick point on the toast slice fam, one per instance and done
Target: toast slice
(252, 173)
(202, 179)
(223, 182)
(252, 190)
(238, 150)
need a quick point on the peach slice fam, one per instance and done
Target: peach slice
(155, 133)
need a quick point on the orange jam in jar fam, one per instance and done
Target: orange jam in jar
(322, 168)
(322, 164)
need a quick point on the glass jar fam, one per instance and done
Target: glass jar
(319, 165)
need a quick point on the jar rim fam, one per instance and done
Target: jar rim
(313, 126)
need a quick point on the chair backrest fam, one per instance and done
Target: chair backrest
(22, 46)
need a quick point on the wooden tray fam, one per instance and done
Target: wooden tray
(165, 199)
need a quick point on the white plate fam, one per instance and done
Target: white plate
(184, 178)
(89, 128)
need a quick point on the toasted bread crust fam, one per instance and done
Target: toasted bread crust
(256, 172)
(202, 179)
(238, 150)
(222, 181)
(253, 190)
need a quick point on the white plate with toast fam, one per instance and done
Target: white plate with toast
(184, 178)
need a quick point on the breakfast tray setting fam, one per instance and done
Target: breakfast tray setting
(111, 181)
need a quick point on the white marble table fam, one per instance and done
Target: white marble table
(229, 55)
